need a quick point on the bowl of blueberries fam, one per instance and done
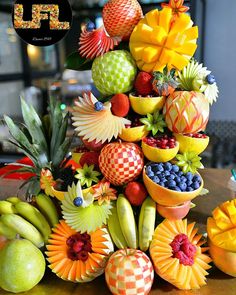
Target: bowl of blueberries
(169, 186)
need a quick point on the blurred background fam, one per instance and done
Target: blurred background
(34, 71)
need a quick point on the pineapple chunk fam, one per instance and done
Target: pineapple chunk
(151, 53)
(158, 36)
(165, 17)
(187, 48)
(175, 40)
(152, 18)
(182, 23)
(191, 33)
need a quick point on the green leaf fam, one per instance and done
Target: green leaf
(61, 152)
(78, 63)
(204, 191)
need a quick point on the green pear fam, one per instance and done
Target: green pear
(22, 266)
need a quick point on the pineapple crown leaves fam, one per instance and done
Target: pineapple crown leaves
(165, 79)
(189, 161)
(154, 122)
(87, 175)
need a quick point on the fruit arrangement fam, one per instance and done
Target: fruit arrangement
(138, 160)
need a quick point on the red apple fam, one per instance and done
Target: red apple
(92, 145)
(135, 193)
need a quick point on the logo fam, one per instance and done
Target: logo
(42, 23)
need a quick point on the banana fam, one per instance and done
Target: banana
(7, 231)
(146, 225)
(115, 230)
(35, 217)
(23, 228)
(127, 221)
(13, 200)
(47, 207)
(6, 207)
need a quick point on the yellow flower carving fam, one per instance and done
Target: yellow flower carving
(47, 182)
(104, 193)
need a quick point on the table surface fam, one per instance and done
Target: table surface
(217, 283)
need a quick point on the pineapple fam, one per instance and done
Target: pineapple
(164, 83)
(42, 140)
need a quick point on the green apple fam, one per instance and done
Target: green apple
(22, 266)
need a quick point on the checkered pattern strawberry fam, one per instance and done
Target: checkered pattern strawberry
(121, 162)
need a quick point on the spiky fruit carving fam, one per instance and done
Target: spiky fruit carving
(159, 40)
(121, 16)
(114, 72)
(121, 162)
(186, 112)
(221, 229)
(78, 257)
(95, 43)
(129, 271)
(177, 254)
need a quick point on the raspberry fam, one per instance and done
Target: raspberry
(77, 247)
(82, 255)
(143, 84)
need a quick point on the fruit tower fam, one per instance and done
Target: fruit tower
(139, 157)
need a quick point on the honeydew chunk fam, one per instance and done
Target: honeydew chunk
(137, 50)
(152, 18)
(175, 40)
(182, 23)
(158, 35)
(179, 61)
(191, 33)
(151, 53)
(146, 33)
(165, 17)
(148, 67)
(187, 48)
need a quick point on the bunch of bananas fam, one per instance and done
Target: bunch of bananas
(23, 219)
(123, 228)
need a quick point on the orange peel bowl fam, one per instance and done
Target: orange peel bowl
(146, 105)
(174, 212)
(167, 197)
(134, 134)
(159, 155)
(191, 144)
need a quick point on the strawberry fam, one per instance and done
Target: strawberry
(120, 105)
(135, 193)
(143, 84)
(89, 158)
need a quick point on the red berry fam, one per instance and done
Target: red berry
(82, 255)
(89, 158)
(143, 84)
(120, 105)
(135, 193)
(77, 247)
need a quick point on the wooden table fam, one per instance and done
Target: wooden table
(218, 283)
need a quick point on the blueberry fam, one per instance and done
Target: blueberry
(189, 182)
(90, 26)
(195, 185)
(189, 189)
(98, 106)
(170, 177)
(171, 183)
(183, 179)
(163, 179)
(149, 168)
(156, 179)
(210, 79)
(160, 167)
(167, 173)
(150, 174)
(175, 168)
(155, 168)
(197, 178)
(189, 176)
(158, 173)
(162, 174)
(168, 166)
(178, 189)
(183, 186)
(162, 184)
(177, 179)
(180, 173)
(78, 201)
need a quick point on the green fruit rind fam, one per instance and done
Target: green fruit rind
(35, 217)
(146, 224)
(6, 231)
(115, 230)
(7, 207)
(23, 228)
(114, 72)
(47, 207)
(127, 221)
(13, 200)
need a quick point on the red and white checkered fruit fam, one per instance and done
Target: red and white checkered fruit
(129, 272)
(121, 162)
